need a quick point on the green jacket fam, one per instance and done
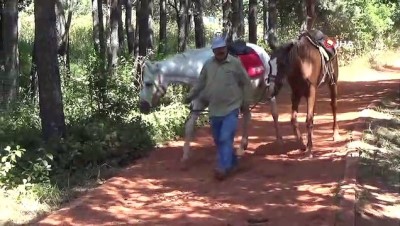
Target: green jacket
(224, 85)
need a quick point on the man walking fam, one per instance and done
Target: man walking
(225, 85)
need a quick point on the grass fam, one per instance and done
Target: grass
(380, 157)
(18, 207)
(383, 59)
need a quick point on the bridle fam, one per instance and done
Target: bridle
(160, 89)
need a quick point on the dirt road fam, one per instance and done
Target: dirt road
(275, 187)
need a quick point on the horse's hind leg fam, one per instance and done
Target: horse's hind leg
(274, 108)
(310, 119)
(333, 90)
(245, 133)
(295, 125)
(275, 116)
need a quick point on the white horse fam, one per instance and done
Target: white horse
(185, 68)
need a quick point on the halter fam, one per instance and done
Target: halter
(159, 88)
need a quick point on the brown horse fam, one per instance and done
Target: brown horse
(306, 63)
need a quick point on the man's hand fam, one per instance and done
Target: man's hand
(245, 106)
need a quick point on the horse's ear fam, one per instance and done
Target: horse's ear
(289, 46)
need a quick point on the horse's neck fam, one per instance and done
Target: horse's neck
(184, 68)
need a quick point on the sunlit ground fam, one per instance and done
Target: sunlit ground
(275, 185)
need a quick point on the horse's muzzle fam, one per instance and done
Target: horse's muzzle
(144, 107)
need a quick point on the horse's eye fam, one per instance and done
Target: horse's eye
(148, 84)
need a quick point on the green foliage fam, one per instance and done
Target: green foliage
(368, 24)
(103, 122)
(168, 121)
(18, 167)
(93, 142)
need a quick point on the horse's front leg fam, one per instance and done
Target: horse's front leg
(333, 89)
(189, 134)
(245, 131)
(295, 125)
(310, 120)
(190, 130)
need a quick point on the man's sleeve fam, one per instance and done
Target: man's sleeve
(245, 84)
(199, 86)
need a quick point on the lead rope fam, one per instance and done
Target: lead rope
(204, 112)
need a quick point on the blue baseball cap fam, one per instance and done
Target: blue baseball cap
(218, 42)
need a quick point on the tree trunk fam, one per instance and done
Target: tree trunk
(102, 37)
(95, 20)
(33, 75)
(98, 29)
(252, 21)
(199, 34)
(138, 13)
(121, 38)
(235, 19)
(66, 42)
(11, 63)
(50, 96)
(144, 34)
(241, 19)
(265, 18)
(150, 44)
(310, 15)
(182, 26)
(114, 44)
(61, 22)
(189, 18)
(63, 26)
(226, 19)
(1, 37)
(163, 28)
(130, 31)
(272, 18)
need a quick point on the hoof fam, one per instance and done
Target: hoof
(184, 165)
(244, 144)
(240, 151)
(303, 147)
(337, 137)
(309, 155)
(279, 141)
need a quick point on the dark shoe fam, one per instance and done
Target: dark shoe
(220, 174)
(223, 174)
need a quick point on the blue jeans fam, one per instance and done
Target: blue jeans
(223, 131)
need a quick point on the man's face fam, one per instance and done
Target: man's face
(220, 53)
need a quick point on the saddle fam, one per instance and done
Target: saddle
(239, 47)
(319, 39)
(248, 57)
(327, 49)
